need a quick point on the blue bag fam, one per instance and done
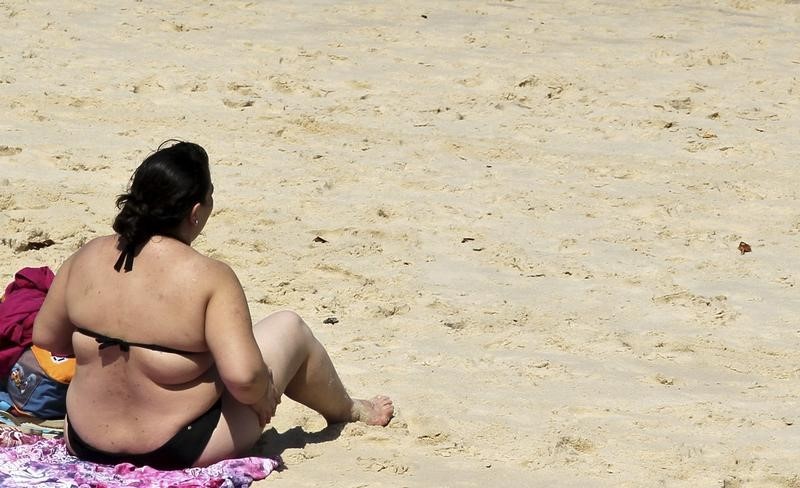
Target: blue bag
(32, 392)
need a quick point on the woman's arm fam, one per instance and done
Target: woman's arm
(229, 335)
(52, 329)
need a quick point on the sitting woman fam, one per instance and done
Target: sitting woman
(171, 372)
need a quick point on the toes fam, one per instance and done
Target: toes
(382, 400)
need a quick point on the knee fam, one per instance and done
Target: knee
(293, 324)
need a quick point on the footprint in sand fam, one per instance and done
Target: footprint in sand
(378, 465)
(9, 151)
(243, 96)
(7, 202)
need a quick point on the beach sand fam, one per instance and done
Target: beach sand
(531, 213)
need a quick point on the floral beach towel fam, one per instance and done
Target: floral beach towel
(28, 460)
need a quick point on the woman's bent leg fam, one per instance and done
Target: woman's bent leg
(302, 369)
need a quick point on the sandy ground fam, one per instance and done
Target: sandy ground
(532, 211)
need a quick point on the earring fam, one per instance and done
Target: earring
(196, 221)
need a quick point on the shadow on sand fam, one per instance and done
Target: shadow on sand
(273, 444)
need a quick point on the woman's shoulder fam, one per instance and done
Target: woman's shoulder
(93, 247)
(189, 260)
(98, 242)
(215, 267)
(194, 263)
(210, 275)
(85, 258)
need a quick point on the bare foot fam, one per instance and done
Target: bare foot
(378, 411)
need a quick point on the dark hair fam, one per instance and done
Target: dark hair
(162, 192)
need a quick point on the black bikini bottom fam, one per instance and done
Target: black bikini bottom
(180, 452)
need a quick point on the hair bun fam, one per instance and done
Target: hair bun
(137, 206)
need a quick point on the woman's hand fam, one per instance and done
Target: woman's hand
(266, 405)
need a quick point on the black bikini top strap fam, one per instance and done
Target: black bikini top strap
(156, 347)
(106, 341)
(110, 341)
(126, 256)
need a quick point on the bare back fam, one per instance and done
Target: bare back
(133, 401)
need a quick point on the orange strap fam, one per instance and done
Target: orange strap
(59, 368)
